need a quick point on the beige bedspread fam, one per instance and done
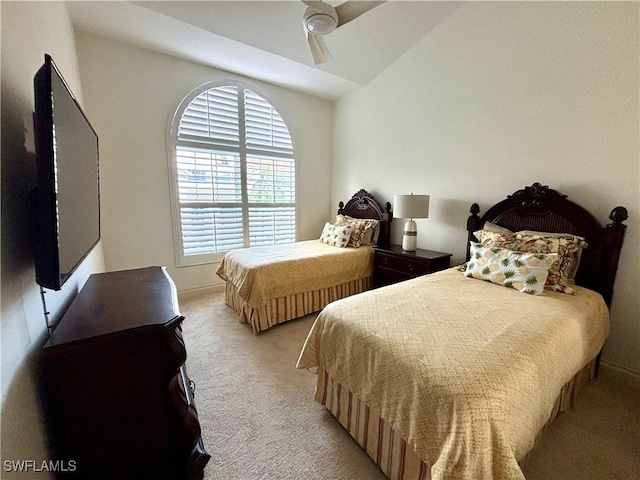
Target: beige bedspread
(466, 371)
(265, 273)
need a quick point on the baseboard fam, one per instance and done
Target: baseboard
(620, 373)
(209, 289)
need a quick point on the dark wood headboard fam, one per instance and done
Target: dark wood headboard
(542, 209)
(363, 205)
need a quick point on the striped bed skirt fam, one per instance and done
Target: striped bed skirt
(396, 459)
(283, 309)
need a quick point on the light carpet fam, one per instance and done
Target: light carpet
(259, 419)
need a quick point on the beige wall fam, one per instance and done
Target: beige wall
(29, 30)
(130, 95)
(498, 96)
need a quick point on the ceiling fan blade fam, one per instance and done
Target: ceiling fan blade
(313, 3)
(354, 8)
(319, 49)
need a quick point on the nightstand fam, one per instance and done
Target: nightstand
(391, 265)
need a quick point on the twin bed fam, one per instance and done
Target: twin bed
(447, 376)
(274, 284)
(450, 377)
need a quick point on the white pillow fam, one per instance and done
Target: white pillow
(336, 235)
(525, 272)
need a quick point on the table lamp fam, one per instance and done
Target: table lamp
(410, 206)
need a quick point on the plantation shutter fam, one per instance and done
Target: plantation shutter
(235, 173)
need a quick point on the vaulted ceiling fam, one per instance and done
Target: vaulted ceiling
(265, 39)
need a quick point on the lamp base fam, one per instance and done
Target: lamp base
(410, 236)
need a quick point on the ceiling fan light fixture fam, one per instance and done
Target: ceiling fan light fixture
(320, 23)
(320, 18)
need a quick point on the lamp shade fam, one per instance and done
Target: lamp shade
(411, 206)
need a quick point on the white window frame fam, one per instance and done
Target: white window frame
(183, 260)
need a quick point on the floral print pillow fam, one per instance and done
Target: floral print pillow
(489, 237)
(335, 235)
(564, 245)
(361, 229)
(525, 272)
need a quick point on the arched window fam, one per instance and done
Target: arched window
(233, 173)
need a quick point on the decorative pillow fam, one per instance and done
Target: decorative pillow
(565, 245)
(525, 272)
(335, 235)
(574, 258)
(488, 237)
(375, 234)
(492, 227)
(361, 229)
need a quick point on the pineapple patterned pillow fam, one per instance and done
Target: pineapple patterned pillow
(336, 235)
(526, 272)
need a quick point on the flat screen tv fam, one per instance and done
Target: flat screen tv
(67, 198)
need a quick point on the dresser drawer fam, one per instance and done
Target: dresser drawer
(407, 265)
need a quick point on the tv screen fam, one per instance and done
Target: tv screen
(68, 192)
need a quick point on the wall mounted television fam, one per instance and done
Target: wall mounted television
(67, 197)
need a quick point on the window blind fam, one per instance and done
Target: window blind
(266, 131)
(235, 172)
(212, 118)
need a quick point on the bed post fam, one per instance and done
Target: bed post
(613, 238)
(473, 224)
(387, 217)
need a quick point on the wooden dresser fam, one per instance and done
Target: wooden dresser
(117, 399)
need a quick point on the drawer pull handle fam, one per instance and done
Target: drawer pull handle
(410, 267)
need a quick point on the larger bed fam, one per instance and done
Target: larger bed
(274, 284)
(449, 377)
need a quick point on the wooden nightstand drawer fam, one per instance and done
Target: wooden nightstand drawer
(408, 265)
(392, 265)
(384, 276)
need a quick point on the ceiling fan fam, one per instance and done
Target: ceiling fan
(320, 18)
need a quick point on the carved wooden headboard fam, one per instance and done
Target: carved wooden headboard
(363, 205)
(540, 208)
